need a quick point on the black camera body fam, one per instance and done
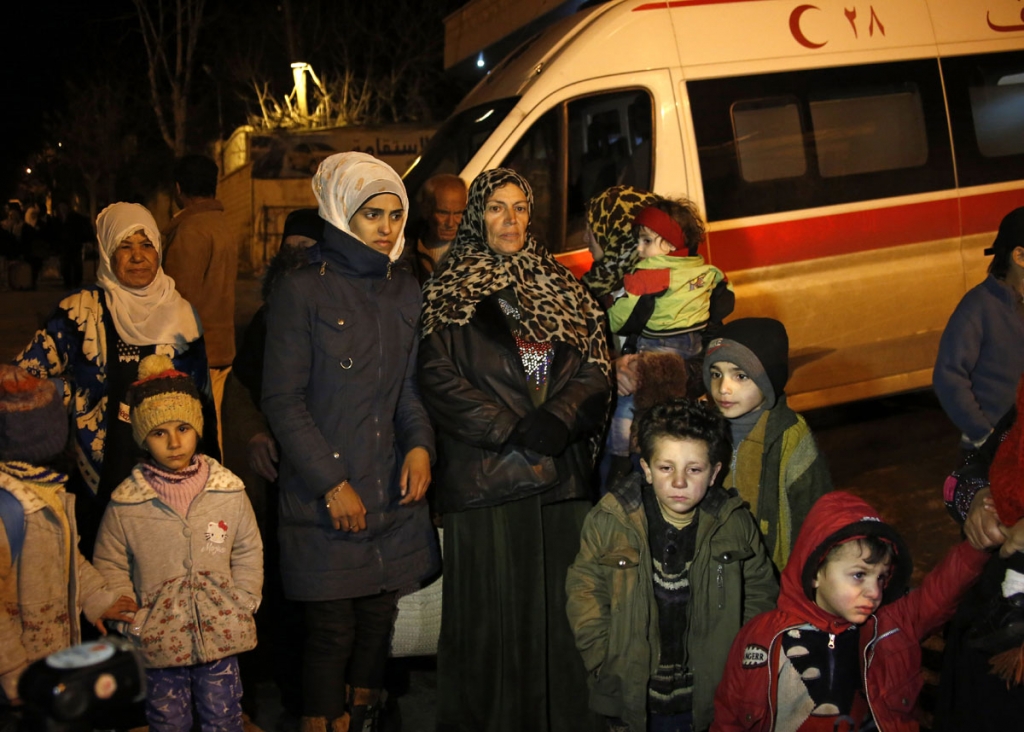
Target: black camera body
(67, 689)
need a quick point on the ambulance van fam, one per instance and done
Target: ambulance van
(853, 159)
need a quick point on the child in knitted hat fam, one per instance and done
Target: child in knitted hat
(775, 466)
(45, 582)
(181, 536)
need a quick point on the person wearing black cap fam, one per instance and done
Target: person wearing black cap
(775, 466)
(981, 353)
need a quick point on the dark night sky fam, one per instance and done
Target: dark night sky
(44, 42)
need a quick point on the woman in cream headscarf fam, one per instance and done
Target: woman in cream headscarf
(339, 394)
(94, 342)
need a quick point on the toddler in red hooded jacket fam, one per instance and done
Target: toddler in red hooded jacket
(842, 650)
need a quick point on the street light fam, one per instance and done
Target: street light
(299, 69)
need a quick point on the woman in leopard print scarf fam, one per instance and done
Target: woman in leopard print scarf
(513, 368)
(610, 218)
(553, 304)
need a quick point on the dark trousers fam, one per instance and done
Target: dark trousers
(215, 688)
(347, 642)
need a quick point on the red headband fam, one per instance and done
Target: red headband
(664, 226)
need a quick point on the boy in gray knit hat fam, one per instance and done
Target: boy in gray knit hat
(775, 466)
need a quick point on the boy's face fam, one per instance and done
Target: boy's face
(172, 444)
(681, 473)
(848, 586)
(649, 244)
(734, 392)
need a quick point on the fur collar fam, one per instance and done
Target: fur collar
(25, 495)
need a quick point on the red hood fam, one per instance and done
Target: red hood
(836, 517)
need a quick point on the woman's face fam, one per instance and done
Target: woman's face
(378, 222)
(135, 261)
(506, 216)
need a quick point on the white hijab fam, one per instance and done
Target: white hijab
(144, 316)
(344, 182)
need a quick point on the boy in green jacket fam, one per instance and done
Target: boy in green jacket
(670, 566)
(775, 465)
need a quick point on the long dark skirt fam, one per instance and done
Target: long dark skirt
(506, 660)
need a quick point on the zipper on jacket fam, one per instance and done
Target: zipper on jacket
(720, 580)
(323, 267)
(831, 642)
(390, 263)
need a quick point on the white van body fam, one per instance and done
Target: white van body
(852, 159)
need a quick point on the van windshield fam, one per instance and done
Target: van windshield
(456, 142)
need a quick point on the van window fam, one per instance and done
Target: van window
(986, 108)
(456, 142)
(870, 132)
(803, 139)
(769, 139)
(536, 158)
(607, 142)
(610, 144)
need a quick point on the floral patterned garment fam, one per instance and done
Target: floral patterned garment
(73, 346)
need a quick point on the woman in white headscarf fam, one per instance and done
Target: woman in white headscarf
(94, 342)
(340, 396)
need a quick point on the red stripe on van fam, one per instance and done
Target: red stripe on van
(578, 262)
(983, 212)
(685, 3)
(827, 236)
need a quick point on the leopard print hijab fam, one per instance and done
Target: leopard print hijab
(554, 306)
(610, 215)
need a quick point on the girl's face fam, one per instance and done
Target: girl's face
(650, 244)
(172, 444)
(506, 216)
(378, 222)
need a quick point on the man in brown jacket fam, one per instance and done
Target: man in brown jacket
(201, 255)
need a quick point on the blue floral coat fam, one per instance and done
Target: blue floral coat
(72, 346)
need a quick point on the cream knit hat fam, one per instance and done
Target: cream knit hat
(162, 394)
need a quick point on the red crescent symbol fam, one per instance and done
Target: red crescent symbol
(794, 26)
(1004, 28)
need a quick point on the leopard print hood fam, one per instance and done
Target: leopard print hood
(610, 216)
(554, 305)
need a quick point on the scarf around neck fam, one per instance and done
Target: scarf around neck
(553, 305)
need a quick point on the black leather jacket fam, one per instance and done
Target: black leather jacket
(473, 385)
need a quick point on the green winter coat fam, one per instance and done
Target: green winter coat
(780, 472)
(614, 615)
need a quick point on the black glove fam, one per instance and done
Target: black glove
(542, 432)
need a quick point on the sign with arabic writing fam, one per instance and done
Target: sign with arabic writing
(283, 155)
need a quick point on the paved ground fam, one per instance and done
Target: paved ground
(895, 452)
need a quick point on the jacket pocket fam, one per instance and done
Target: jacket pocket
(226, 621)
(727, 568)
(334, 333)
(749, 715)
(901, 697)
